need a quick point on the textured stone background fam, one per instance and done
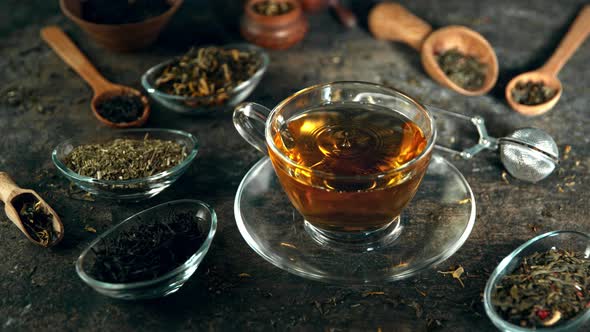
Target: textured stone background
(39, 288)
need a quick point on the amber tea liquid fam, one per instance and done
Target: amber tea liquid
(340, 143)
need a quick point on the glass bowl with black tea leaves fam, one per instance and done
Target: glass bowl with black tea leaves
(150, 254)
(543, 285)
(133, 164)
(207, 79)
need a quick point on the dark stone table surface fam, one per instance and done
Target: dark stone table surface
(39, 288)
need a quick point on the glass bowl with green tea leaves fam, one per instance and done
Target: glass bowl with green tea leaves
(543, 285)
(133, 164)
(150, 254)
(207, 79)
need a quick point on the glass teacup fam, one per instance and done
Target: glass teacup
(349, 155)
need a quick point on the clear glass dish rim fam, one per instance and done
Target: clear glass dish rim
(439, 258)
(492, 281)
(140, 284)
(73, 175)
(394, 92)
(152, 90)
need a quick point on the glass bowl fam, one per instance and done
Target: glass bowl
(167, 283)
(134, 189)
(199, 105)
(570, 240)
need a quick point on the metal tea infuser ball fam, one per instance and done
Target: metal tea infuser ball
(528, 154)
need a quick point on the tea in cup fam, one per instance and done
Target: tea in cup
(349, 155)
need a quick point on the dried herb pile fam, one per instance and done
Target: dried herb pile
(532, 93)
(125, 159)
(272, 8)
(122, 11)
(148, 250)
(121, 109)
(464, 70)
(36, 220)
(208, 72)
(546, 289)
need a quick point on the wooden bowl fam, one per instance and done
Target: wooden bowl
(120, 37)
(275, 32)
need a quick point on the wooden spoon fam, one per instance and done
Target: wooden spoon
(103, 89)
(547, 74)
(391, 21)
(11, 195)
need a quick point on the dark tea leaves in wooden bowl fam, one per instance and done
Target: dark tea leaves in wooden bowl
(122, 11)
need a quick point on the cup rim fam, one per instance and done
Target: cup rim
(203, 249)
(422, 155)
(191, 154)
(494, 278)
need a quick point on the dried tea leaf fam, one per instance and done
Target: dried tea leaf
(125, 159)
(456, 274)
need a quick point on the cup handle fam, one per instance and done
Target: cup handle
(250, 121)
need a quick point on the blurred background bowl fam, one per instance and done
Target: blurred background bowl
(120, 37)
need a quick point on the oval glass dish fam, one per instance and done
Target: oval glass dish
(201, 105)
(569, 240)
(167, 283)
(133, 189)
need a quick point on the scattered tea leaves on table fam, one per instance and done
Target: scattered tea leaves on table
(464, 70)
(148, 249)
(272, 7)
(121, 109)
(210, 73)
(456, 274)
(37, 221)
(122, 11)
(125, 159)
(546, 289)
(532, 93)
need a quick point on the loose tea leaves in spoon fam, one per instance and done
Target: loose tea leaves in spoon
(532, 93)
(37, 221)
(546, 289)
(121, 109)
(148, 250)
(464, 70)
(125, 159)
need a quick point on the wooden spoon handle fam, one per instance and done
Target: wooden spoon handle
(575, 36)
(7, 187)
(391, 21)
(65, 48)
(345, 15)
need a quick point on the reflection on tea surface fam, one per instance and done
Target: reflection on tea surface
(351, 141)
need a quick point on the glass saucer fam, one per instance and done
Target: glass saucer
(432, 228)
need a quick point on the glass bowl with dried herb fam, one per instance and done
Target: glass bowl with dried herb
(543, 285)
(133, 164)
(150, 254)
(207, 79)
